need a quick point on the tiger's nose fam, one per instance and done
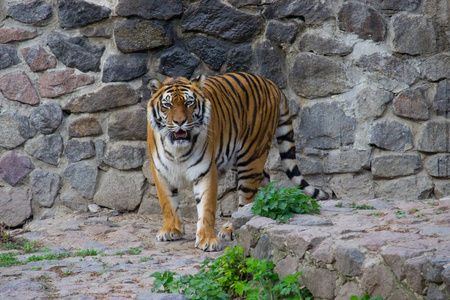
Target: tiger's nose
(179, 122)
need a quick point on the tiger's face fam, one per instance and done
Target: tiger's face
(178, 110)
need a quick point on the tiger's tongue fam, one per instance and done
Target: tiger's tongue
(180, 134)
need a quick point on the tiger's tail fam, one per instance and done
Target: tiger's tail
(286, 146)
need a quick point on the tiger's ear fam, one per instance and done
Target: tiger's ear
(154, 85)
(199, 81)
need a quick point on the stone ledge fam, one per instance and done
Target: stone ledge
(399, 250)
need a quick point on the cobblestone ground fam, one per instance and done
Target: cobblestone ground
(114, 274)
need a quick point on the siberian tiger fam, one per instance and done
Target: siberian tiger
(197, 130)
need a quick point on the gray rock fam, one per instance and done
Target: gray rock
(121, 190)
(124, 67)
(156, 9)
(441, 103)
(84, 126)
(391, 135)
(14, 168)
(412, 187)
(44, 187)
(371, 103)
(159, 296)
(363, 20)
(15, 129)
(413, 34)
(314, 11)
(82, 177)
(8, 56)
(321, 282)
(73, 200)
(398, 5)
(30, 11)
(140, 35)
(97, 30)
(21, 284)
(434, 293)
(263, 249)
(241, 217)
(239, 58)
(124, 157)
(16, 206)
(177, 62)
(212, 51)
(349, 261)
(389, 66)
(318, 130)
(323, 45)
(439, 166)
(80, 13)
(339, 161)
(37, 58)
(75, 52)
(433, 268)
(314, 76)
(282, 33)
(435, 137)
(47, 117)
(309, 165)
(269, 59)
(352, 186)
(99, 151)
(412, 104)
(101, 100)
(76, 150)
(47, 148)
(436, 67)
(128, 125)
(217, 19)
(390, 166)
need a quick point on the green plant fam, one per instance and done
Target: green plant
(87, 252)
(365, 297)
(48, 256)
(281, 204)
(145, 259)
(8, 259)
(29, 247)
(339, 204)
(135, 251)
(36, 268)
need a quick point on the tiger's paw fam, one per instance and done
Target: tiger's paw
(168, 234)
(226, 232)
(208, 244)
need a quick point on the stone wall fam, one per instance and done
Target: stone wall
(368, 83)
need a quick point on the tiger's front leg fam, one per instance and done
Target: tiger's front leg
(173, 228)
(205, 191)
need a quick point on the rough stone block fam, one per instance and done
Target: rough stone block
(15, 129)
(435, 293)
(413, 269)
(439, 166)
(349, 261)
(29, 12)
(128, 125)
(371, 103)
(314, 11)
(435, 137)
(348, 161)
(121, 190)
(287, 266)
(324, 253)
(80, 13)
(413, 187)
(17, 86)
(9, 56)
(217, 19)
(241, 217)
(75, 52)
(263, 249)
(84, 126)
(377, 279)
(44, 187)
(278, 235)
(156, 9)
(8, 35)
(47, 117)
(139, 35)
(76, 150)
(395, 258)
(350, 186)
(391, 135)
(47, 148)
(413, 34)
(212, 51)
(363, 20)
(270, 61)
(442, 189)
(390, 166)
(318, 44)
(441, 103)
(102, 100)
(282, 33)
(239, 58)
(436, 67)
(14, 168)
(16, 206)
(314, 76)
(52, 84)
(257, 223)
(309, 165)
(73, 200)
(349, 289)
(318, 130)
(124, 157)
(38, 59)
(124, 67)
(177, 62)
(82, 177)
(433, 268)
(299, 241)
(412, 104)
(321, 282)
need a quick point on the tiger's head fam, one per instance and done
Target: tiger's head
(178, 110)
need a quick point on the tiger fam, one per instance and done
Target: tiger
(199, 129)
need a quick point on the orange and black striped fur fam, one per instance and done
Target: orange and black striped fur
(197, 130)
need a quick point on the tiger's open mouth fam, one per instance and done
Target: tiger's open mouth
(180, 135)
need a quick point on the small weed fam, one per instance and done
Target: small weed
(419, 215)
(339, 204)
(365, 297)
(363, 206)
(135, 251)
(413, 211)
(281, 204)
(67, 272)
(87, 252)
(377, 213)
(433, 203)
(29, 247)
(145, 259)
(438, 212)
(8, 259)
(48, 257)
(36, 268)
(400, 214)
(45, 277)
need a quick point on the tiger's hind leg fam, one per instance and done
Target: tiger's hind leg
(173, 227)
